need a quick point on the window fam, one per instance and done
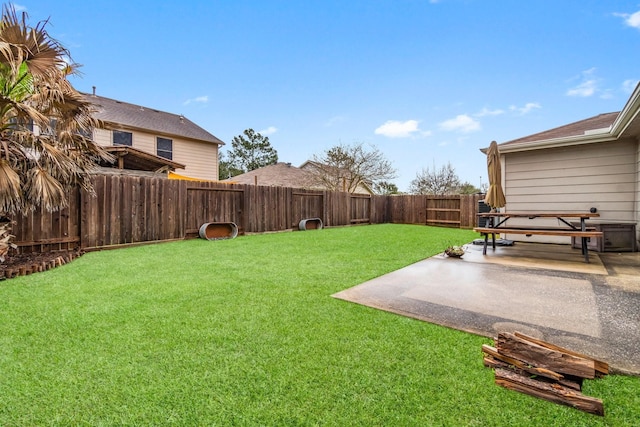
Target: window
(164, 148)
(14, 123)
(51, 130)
(122, 138)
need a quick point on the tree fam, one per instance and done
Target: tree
(44, 122)
(346, 167)
(225, 168)
(468, 188)
(437, 182)
(250, 151)
(385, 188)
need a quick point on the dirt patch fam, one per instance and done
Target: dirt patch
(24, 264)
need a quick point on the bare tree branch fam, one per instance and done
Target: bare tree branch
(349, 167)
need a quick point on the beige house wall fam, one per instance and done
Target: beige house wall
(638, 192)
(604, 176)
(200, 158)
(102, 137)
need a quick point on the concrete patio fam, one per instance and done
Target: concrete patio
(543, 290)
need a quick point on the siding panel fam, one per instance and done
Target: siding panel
(577, 179)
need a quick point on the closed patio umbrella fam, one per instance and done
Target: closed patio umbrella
(495, 196)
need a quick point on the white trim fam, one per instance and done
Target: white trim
(628, 113)
(558, 142)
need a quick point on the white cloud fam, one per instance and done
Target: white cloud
(199, 99)
(632, 20)
(629, 85)
(527, 108)
(335, 120)
(461, 123)
(606, 94)
(487, 112)
(398, 129)
(588, 85)
(268, 131)
(585, 89)
(19, 8)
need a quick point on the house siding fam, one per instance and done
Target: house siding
(602, 176)
(637, 199)
(102, 137)
(200, 158)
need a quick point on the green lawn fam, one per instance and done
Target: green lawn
(244, 332)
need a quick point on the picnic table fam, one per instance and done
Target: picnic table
(497, 224)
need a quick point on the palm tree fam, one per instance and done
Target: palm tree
(38, 168)
(45, 148)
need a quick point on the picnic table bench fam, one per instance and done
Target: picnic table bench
(497, 225)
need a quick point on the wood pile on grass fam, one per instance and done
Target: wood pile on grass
(544, 370)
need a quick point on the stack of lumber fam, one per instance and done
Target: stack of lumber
(544, 370)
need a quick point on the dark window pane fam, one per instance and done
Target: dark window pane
(164, 147)
(122, 138)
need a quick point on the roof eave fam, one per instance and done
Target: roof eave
(557, 142)
(121, 126)
(628, 113)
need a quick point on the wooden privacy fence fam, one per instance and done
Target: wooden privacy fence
(129, 210)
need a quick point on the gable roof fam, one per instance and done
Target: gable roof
(279, 175)
(123, 114)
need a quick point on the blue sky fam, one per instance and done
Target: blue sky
(428, 82)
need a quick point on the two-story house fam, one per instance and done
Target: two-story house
(148, 139)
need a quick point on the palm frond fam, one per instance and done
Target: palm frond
(10, 200)
(44, 190)
(34, 90)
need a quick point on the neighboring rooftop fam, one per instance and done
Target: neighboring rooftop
(582, 127)
(139, 117)
(278, 175)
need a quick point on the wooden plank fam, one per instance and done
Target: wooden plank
(443, 221)
(52, 241)
(538, 231)
(552, 392)
(573, 383)
(602, 368)
(126, 211)
(237, 190)
(298, 193)
(547, 373)
(360, 221)
(542, 214)
(543, 357)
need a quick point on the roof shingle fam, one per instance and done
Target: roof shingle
(578, 128)
(279, 175)
(135, 116)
